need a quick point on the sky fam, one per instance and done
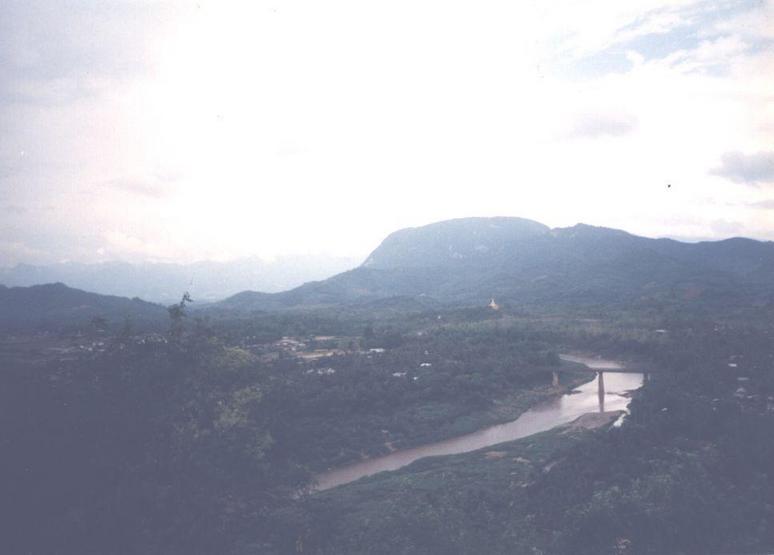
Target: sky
(182, 131)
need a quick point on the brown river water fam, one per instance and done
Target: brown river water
(544, 416)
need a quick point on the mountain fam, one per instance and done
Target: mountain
(522, 262)
(468, 242)
(56, 306)
(162, 282)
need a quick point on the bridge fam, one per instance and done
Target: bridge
(601, 367)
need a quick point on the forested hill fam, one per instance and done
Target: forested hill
(56, 306)
(520, 261)
(164, 282)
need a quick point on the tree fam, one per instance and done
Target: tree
(176, 315)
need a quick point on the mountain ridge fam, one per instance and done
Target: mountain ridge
(164, 282)
(469, 260)
(55, 305)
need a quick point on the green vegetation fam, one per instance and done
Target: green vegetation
(149, 448)
(419, 388)
(688, 472)
(56, 307)
(195, 441)
(477, 502)
(525, 264)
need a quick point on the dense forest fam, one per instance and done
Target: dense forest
(689, 471)
(204, 439)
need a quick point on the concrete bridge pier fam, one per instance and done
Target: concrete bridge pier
(601, 390)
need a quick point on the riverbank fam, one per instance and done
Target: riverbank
(448, 501)
(593, 396)
(503, 409)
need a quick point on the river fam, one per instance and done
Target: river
(544, 416)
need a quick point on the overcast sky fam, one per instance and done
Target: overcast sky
(214, 130)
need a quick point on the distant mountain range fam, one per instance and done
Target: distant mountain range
(523, 262)
(165, 283)
(462, 262)
(56, 306)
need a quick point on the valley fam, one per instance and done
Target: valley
(386, 278)
(323, 425)
(609, 398)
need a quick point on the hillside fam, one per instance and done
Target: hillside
(56, 306)
(165, 282)
(521, 262)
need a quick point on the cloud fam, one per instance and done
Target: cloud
(14, 209)
(721, 227)
(52, 53)
(137, 187)
(155, 185)
(763, 204)
(753, 22)
(710, 56)
(689, 37)
(141, 187)
(13, 252)
(105, 99)
(596, 125)
(750, 169)
(661, 21)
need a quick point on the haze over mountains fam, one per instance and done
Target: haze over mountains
(165, 282)
(520, 261)
(461, 262)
